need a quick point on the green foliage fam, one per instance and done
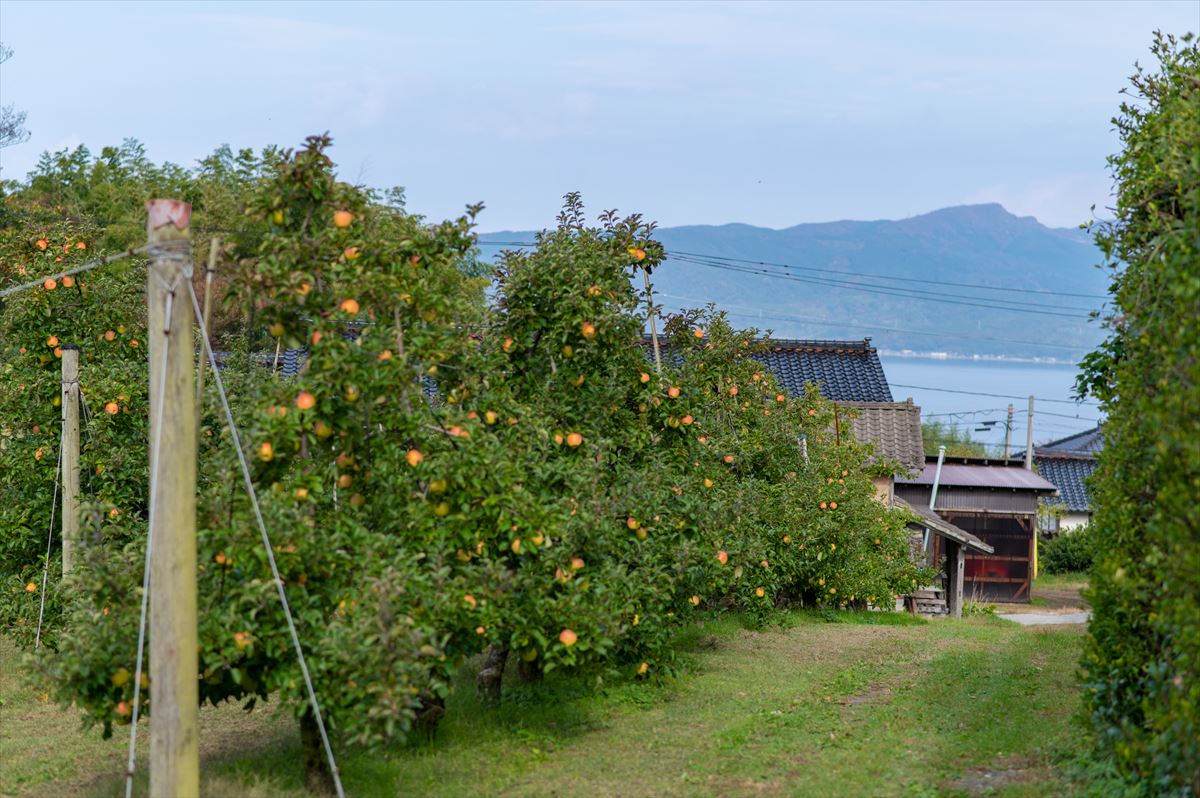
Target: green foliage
(1140, 661)
(446, 474)
(958, 441)
(1068, 552)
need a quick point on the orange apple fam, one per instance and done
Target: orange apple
(574, 439)
(50, 285)
(306, 401)
(722, 557)
(111, 408)
(266, 452)
(350, 253)
(342, 218)
(349, 306)
(568, 638)
(414, 457)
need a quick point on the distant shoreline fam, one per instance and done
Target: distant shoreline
(975, 358)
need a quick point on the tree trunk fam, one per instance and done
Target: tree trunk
(317, 775)
(491, 674)
(429, 714)
(529, 672)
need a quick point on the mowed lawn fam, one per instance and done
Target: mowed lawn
(867, 704)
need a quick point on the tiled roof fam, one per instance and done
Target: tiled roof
(1088, 442)
(981, 474)
(894, 428)
(1068, 475)
(844, 371)
(1082, 444)
(942, 526)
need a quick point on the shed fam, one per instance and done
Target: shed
(955, 542)
(997, 502)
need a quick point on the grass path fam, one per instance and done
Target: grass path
(950, 708)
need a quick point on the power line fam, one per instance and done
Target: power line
(926, 296)
(877, 276)
(852, 325)
(992, 395)
(679, 254)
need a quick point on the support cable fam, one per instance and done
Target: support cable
(141, 643)
(92, 264)
(262, 528)
(37, 643)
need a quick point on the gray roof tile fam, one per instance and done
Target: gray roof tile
(894, 428)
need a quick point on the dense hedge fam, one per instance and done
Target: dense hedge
(1142, 656)
(1069, 552)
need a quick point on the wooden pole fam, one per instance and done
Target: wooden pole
(174, 659)
(1008, 429)
(1029, 437)
(70, 457)
(213, 251)
(653, 330)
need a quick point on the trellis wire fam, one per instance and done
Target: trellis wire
(37, 643)
(141, 643)
(262, 528)
(92, 264)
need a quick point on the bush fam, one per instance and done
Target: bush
(1140, 659)
(1069, 552)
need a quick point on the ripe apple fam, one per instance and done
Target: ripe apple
(722, 557)
(574, 439)
(306, 401)
(414, 457)
(111, 408)
(266, 452)
(568, 638)
(349, 306)
(342, 218)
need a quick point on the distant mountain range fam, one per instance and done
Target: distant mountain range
(911, 284)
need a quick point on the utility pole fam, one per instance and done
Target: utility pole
(70, 457)
(1029, 437)
(1008, 429)
(174, 658)
(653, 329)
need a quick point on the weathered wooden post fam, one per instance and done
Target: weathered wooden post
(174, 659)
(70, 457)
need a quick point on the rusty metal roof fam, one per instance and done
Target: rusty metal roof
(983, 475)
(942, 526)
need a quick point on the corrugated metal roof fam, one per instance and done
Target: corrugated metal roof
(983, 475)
(943, 527)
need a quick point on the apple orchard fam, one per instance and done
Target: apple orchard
(478, 466)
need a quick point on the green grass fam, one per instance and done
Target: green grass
(841, 704)
(1071, 579)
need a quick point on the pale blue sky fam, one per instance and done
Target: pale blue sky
(690, 113)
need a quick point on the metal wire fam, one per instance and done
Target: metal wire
(37, 643)
(262, 528)
(141, 644)
(92, 264)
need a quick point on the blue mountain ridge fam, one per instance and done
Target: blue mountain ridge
(981, 245)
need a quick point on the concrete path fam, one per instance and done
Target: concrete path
(1045, 618)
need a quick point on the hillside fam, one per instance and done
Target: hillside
(817, 273)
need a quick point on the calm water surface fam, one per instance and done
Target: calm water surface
(1052, 420)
